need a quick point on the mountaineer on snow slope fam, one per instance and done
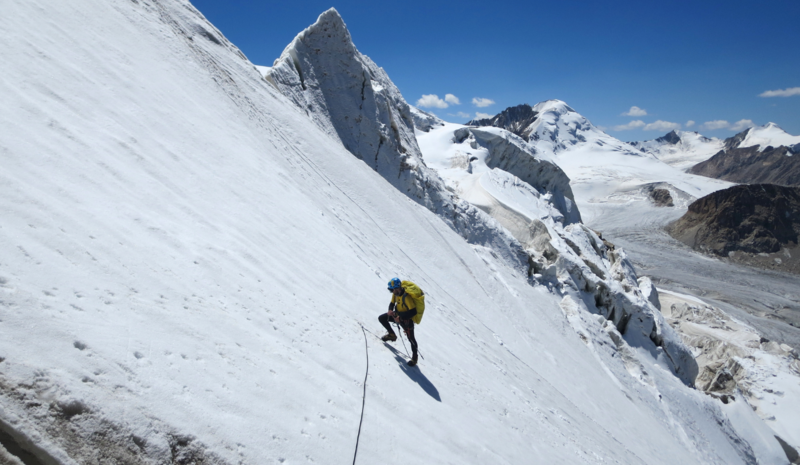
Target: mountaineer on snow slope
(405, 308)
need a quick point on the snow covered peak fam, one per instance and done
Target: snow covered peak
(764, 136)
(559, 128)
(347, 95)
(552, 127)
(672, 137)
(553, 105)
(329, 23)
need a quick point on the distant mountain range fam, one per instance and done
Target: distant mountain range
(681, 149)
(756, 155)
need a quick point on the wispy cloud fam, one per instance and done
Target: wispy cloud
(460, 114)
(635, 111)
(632, 125)
(689, 123)
(479, 115)
(781, 92)
(452, 99)
(431, 101)
(482, 102)
(716, 124)
(741, 125)
(662, 126)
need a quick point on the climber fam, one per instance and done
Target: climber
(406, 307)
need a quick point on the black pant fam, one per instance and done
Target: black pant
(406, 324)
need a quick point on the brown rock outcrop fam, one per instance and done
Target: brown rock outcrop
(758, 218)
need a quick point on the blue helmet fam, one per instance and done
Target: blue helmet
(394, 283)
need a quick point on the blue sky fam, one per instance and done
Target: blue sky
(680, 61)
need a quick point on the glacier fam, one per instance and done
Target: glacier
(190, 251)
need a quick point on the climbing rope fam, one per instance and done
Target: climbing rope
(364, 396)
(400, 330)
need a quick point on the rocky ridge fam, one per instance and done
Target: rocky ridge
(773, 165)
(762, 154)
(517, 120)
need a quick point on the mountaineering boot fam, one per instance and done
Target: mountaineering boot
(391, 337)
(413, 361)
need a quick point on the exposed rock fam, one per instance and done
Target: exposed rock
(756, 219)
(517, 120)
(735, 141)
(671, 138)
(750, 165)
(661, 198)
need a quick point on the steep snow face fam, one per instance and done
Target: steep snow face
(187, 259)
(768, 135)
(681, 149)
(346, 94)
(355, 102)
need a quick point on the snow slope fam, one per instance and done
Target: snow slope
(186, 259)
(353, 100)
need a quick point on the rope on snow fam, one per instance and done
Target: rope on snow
(364, 397)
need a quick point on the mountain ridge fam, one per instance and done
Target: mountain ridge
(201, 257)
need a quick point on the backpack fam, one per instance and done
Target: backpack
(416, 294)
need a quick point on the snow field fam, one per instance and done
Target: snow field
(187, 259)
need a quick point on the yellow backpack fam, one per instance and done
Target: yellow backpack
(416, 294)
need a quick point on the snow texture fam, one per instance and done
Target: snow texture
(188, 256)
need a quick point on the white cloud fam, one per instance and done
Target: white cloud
(482, 102)
(460, 114)
(431, 101)
(716, 124)
(479, 115)
(689, 123)
(741, 125)
(452, 99)
(662, 126)
(636, 111)
(781, 92)
(632, 125)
